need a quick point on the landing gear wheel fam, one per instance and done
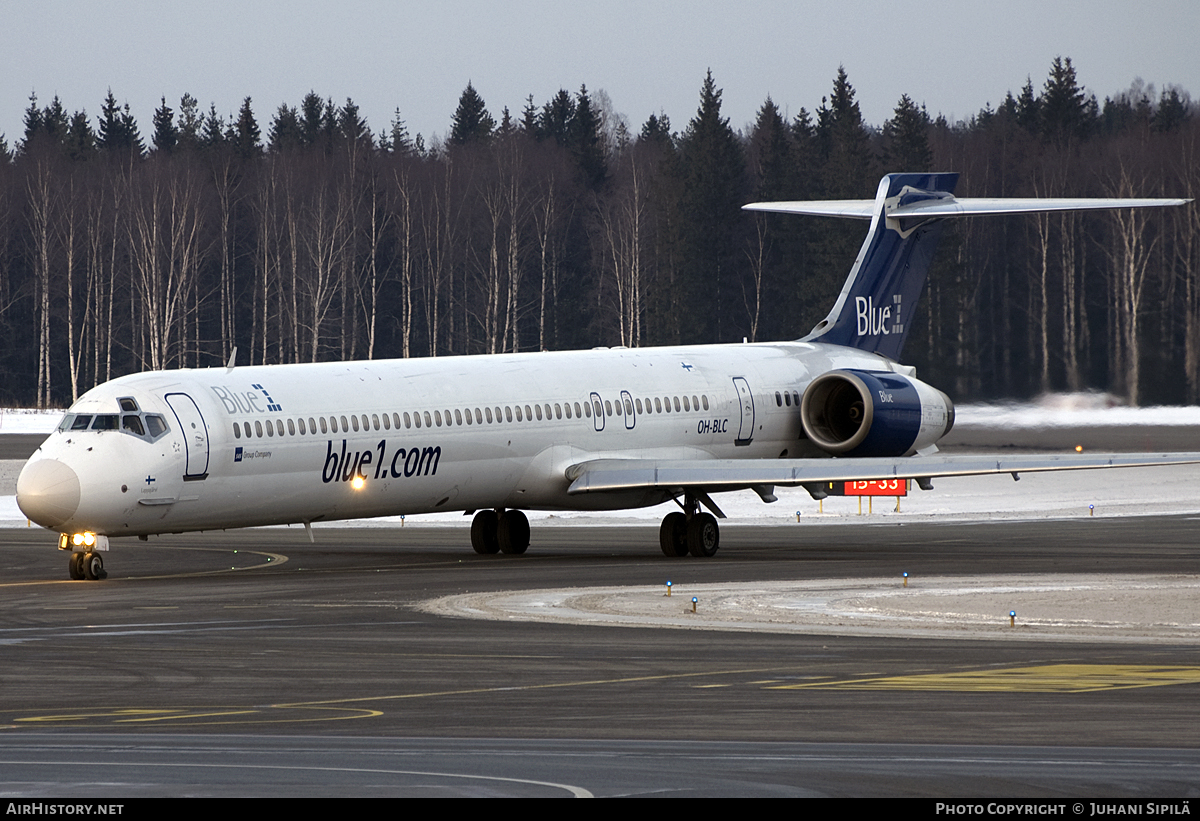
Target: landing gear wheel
(703, 536)
(672, 535)
(93, 567)
(75, 566)
(513, 532)
(483, 532)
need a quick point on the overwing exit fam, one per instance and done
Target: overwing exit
(605, 429)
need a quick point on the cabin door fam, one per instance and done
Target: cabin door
(195, 435)
(746, 408)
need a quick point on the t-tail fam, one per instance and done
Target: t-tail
(876, 305)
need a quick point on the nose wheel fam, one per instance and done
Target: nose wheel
(88, 565)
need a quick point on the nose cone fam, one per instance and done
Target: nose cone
(48, 492)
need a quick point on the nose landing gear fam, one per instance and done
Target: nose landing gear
(89, 565)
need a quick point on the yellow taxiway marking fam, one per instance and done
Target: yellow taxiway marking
(1049, 678)
(223, 714)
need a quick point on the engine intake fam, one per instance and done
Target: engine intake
(874, 413)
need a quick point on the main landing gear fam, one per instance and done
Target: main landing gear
(89, 565)
(689, 532)
(500, 531)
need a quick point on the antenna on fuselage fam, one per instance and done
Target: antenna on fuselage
(232, 357)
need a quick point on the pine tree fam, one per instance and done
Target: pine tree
(584, 140)
(1064, 106)
(246, 134)
(1172, 110)
(711, 196)
(80, 143)
(213, 132)
(350, 123)
(398, 140)
(555, 122)
(190, 122)
(166, 136)
(55, 121)
(312, 112)
(906, 138)
(471, 123)
(33, 122)
(848, 165)
(285, 133)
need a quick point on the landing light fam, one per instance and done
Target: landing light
(358, 482)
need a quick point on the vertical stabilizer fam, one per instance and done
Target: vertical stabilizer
(876, 305)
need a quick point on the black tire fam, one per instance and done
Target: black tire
(703, 535)
(513, 532)
(672, 535)
(483, 533)
(93, 566)
(75, 567)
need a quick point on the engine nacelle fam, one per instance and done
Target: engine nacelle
(874, 413)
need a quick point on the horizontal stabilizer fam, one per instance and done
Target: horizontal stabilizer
(952, 207)
(874, 310)
(733, 474)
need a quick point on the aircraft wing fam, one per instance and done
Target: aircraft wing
(732, 474)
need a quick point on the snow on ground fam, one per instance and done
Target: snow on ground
(21, 420)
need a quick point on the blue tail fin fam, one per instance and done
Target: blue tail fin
(876, 305)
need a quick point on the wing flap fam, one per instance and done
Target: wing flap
(714, 475)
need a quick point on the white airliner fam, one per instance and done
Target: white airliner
(605, 429)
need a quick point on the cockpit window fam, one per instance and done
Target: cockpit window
(128, 404)
(105, 421)
(82, 421)
(133, 424)
(156, 425)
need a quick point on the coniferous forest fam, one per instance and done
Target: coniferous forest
(312, 237)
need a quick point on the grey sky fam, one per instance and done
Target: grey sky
(954, 57)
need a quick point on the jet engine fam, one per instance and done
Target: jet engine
(874, 413)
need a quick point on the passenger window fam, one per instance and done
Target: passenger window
(638, 403)
(354, 421)
(245, 425)
(677, 404)
(567, 405)
(478, 416)
(428, 420)
(387, 423)
(291, 428)
(489, 415)
(539, 412)
(324, 428)
(616, 407)
(258, 428)
(270, 428)
(458, 416)
(528, 414)
(437, 417)
(577, 413)
(520, 418)
(705, 398)
(508, 413)
(333, 428)
(557, 411)
(407, 421)
(237, 431)
(695, 402)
